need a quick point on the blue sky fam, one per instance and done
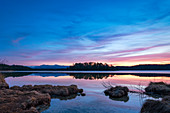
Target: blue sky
(119, 32)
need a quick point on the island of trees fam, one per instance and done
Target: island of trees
(105, 66)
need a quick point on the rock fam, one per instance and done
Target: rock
(52, 90)
(158, 88)
(15, 101)
(156, 106)
(3, 83)
(80, 90)
(117, 92)
(83, 94)
(32, 99)
(124, 98)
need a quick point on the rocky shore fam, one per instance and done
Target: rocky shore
(51, 90)
(3, 83)
(154, 89)
(156, 106)
(32, 99)
(160, 89)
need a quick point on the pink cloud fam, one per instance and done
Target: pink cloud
(17, 40)
(161, 58)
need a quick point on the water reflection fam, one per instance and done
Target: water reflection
(16, 74)
(124, 99)
(91, 76)
(65, 98)
(95, 101)
(84, 80)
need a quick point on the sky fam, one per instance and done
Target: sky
(118, 32)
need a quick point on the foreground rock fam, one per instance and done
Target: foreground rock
(117, 92)
(153, 106)
(32, 99)
(14, 101)
(3, 83)
(160, 88)
(52, 90)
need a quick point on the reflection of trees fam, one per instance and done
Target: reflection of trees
(125, 98)
(145, 74)
(91, 76)
(50, 74)
(16, 74)
(73, 96)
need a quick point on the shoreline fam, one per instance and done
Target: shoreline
(124, 72)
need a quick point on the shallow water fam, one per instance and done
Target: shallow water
(95, 100)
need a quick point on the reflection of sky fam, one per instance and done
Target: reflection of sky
(122, 32)
(94, 104)
(95, 101)
(88, 85)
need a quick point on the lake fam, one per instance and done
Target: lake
(95, 100)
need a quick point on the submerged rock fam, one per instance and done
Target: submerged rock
(156, 106)
(3, 83)
(52, 90)
(14, 101)
(117, 92)
(158, 88)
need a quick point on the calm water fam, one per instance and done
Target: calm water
(95, 100)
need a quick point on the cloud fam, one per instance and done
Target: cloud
(75, 32)
(17, 40)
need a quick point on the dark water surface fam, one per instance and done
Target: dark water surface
(95, 100)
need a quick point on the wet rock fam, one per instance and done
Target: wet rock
(80, 90)
(3, 83)
(32, 99)
(156, 106)
(117, 92)
(52, 90)
(83, 94)
(158, 88)
(15, 101)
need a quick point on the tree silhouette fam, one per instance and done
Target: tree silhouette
(90, 66)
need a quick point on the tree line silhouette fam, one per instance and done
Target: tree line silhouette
(100, 66)
(91, 66)
(13, 67)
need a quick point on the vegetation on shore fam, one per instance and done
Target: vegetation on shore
(100, 66)
(91, 66)
(13, 67)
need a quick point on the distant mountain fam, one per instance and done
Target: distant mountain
(49, 67)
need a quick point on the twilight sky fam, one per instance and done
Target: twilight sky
(118, 32)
